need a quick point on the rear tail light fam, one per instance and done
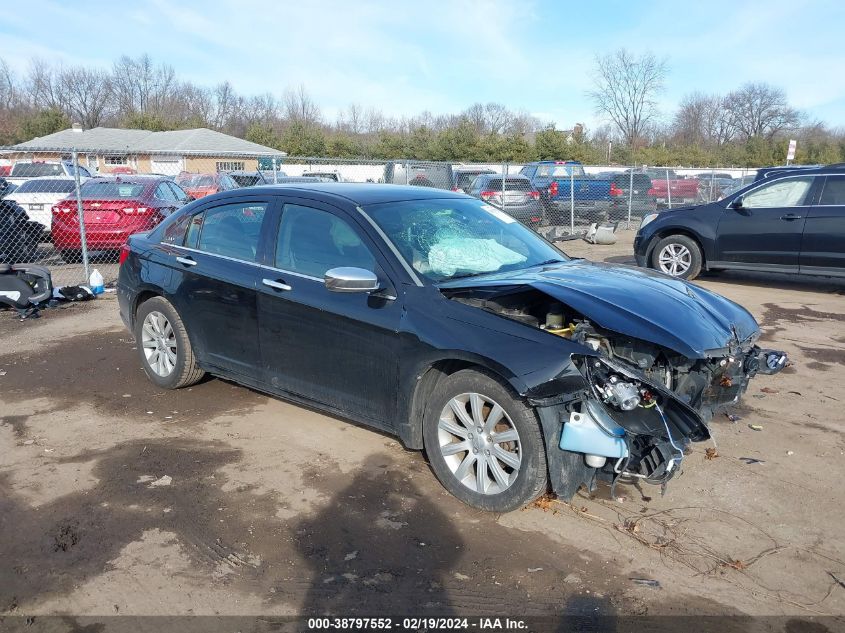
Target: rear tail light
(486, 195)
(535, 219)
(456, 188)
(135, 210)
(652, 192)
(124, 253)
(62, 209)
(534, 195)
(615, 191)
(553, 189)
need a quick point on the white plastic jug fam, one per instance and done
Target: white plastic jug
(96, 282)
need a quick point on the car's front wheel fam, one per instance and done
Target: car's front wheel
(484, 443)
(678, 256)
(163, 344)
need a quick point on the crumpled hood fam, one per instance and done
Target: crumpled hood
(640, 303)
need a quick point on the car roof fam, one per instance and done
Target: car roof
(127, 178)
(770, 173)
(358, 193)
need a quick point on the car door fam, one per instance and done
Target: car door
(765, 232)
(823, 242)
(337, 349)
(219, 275)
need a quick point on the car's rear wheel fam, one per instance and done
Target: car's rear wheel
(164, 347)
(678, 256)
(484, 443)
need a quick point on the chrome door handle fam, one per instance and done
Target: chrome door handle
(187, 261)
(790, 216)
(276, 285)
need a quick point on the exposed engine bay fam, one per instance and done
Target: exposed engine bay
(640, 403)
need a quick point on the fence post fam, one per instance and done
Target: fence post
(407, 168)
(83, 241)
(668, 190)
(630, 196)
(275, 176)
(712, 184)
(571, 200)
(504, 175)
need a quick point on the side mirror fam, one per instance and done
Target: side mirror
(737, 203)
(349, 279)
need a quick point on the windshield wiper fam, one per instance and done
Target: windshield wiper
(549, 262)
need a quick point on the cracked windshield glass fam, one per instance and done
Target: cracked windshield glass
(452, 239)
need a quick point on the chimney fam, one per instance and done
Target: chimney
(77, 127)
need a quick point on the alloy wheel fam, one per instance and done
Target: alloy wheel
(479, 443)
(675, 259)
(158, 341)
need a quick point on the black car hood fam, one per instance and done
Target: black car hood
(637, 302)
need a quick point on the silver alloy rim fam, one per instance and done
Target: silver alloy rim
(479, 443)
(158, 341)
(675, 259)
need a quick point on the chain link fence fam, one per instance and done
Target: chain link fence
(71, 211)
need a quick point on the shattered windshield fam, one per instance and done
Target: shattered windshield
(454, 238)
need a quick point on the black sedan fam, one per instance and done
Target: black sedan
(437, 317)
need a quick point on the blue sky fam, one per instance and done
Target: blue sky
(405, 57)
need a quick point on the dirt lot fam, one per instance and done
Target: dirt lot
(276, 509)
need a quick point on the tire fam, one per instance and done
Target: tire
(164, 347)
(681, 257)
(507, 484)
(71, 255)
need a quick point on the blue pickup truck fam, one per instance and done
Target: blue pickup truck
(564, 187)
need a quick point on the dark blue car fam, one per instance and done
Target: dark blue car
(792, 221)
(441, 319)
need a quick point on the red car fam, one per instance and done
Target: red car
(199, 185)
(114, 207)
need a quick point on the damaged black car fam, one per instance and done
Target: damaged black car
(443, 320)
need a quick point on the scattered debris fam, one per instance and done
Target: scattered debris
(735, 564)
(751, 460)
(29, 442)
(531, 570)
(461, 576)
(790, 452)
(2, 372)
(573, 579)
(144, 479)
(797, 393)
(755, 427)
(351, 556)
(839, 581)
(711, 453)
(545, 503)
(127, 395)
(726, 381)
(165, 480)
(732, 417)
(646, 582)
(769, 390)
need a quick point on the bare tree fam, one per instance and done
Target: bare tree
(758, 109)
(86, 94)
(626, 88)
(704, 119)
(300, 107)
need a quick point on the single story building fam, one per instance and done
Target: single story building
(107, 150)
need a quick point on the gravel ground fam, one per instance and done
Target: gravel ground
(119, 498)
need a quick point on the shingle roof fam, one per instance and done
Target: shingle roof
(105, 139)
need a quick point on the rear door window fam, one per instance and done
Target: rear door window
(833, 193)
(231, 230)
(163, 192)
(175, 232)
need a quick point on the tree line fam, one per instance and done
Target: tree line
(749, 126)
